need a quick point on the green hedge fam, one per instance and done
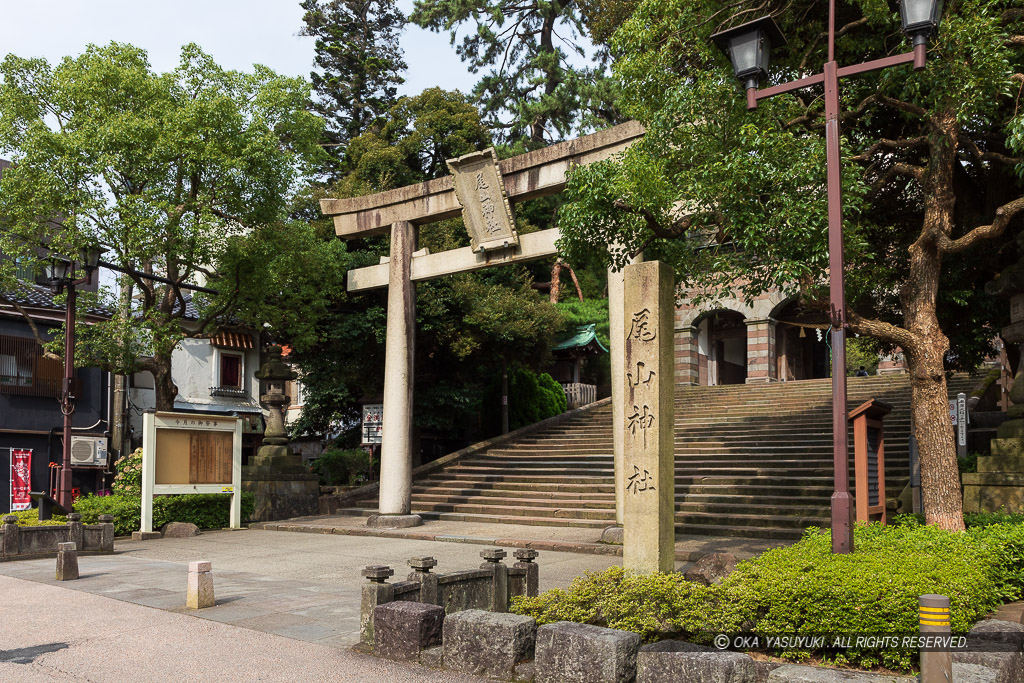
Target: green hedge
(206, 511)
(805, 589)
(345, 467)
(30, 517)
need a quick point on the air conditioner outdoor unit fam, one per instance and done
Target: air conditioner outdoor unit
(88, 450)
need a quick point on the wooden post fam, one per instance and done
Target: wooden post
(869, 459)
(396, 436)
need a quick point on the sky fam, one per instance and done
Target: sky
(236, 33)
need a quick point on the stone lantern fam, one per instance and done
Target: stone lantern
(272, 375)
(999, 482)
(283, 486)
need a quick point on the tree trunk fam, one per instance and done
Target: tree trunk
(940, 478)
(162, 382)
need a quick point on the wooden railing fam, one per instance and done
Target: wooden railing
(578, 395)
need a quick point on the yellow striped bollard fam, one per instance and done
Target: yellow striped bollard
(933, 620)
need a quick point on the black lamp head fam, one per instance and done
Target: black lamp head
(749, 47)
(920, 18)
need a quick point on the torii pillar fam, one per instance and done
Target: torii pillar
(400, 211)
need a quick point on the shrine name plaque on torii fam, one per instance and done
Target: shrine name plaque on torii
(489, 188)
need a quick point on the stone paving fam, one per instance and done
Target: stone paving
(301, 586)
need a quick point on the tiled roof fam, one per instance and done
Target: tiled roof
(37, 296)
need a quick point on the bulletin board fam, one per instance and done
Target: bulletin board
(191, 453)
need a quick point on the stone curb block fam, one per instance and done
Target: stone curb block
(581, 653)
(402, 630)
(488, 643)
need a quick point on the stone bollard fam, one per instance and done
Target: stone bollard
(526, 556)
(936, 663)
(12, 541)
(377, 592)
(107, 534)
(428, 582)
(200, 585)
(75, 533)
(67, 562)
(499, 582)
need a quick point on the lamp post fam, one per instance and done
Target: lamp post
(61, 274)
(749, 46)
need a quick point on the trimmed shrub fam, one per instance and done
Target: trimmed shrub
(805, 589)
(206, 511)
(30, 517)
(531, 398)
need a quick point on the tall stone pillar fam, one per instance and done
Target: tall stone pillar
(649, 423)
(616, 334)
(396, 432)
(761, 366)
(687, 362)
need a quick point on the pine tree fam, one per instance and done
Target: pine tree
(531, 91)
(359, 65)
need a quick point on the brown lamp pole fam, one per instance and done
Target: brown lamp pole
(61, 272)
(748, 46)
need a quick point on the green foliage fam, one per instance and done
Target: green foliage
(344, 467)
(30, 517)
(359, 63)
(162, 169)
(128, 480)
(531, 398)
(207, 511)
(861, 351)
(530, 91)
(969, 463)
(806, 589)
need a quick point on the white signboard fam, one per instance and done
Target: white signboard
(373, 423)
(191, 453)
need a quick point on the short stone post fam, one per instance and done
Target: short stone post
(75, 533)
(12, 542)
(377, 592)
(526, 556)
(67, 562)
(107, 533)
(936, 664)
(649, 422)
(428, 582)
(499, 582)
(200, 585)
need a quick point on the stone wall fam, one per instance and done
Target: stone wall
(31, 542)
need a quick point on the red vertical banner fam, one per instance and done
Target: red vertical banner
(21, 479)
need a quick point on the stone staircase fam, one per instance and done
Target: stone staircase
(751, 461)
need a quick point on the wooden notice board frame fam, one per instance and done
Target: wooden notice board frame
(867, 421)
(191, 453)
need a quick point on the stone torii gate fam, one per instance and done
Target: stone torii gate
(482, 190)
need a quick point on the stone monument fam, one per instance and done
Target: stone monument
(999, 481)
(284, 487)
(649, 429)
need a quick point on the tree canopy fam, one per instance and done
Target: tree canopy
(164, 170)
(736, 199)
(530, 92)
(359, 65)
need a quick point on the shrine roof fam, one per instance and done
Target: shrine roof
(583, 336)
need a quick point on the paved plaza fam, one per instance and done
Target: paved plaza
(287, 603)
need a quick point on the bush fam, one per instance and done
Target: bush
(343, 467)
(531, 398)
(805, 589)
(30, 517)
(128, 480)
(206, 511)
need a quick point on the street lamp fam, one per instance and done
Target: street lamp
(60, 272)
(748, 47)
